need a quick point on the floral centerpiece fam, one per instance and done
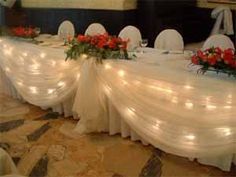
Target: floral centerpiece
(216, 59)
(24, 32)
(101, 46)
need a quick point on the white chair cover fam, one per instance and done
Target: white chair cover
(66, 29)
(169, 39)
(224, 18)
(94, 29)
(132, 34)
(7, 3)
(218, 40)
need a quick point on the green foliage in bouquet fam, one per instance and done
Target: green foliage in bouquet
(100, 46)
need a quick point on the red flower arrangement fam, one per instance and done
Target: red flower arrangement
(24, 32)
(100, 46)
(216, 59)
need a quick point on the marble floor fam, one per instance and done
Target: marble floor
(41, 146)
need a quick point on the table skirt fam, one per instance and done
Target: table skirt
(116, 125)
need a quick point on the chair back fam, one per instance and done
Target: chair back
(169, 39)
(132, 34)
(94, 29)
(218, 40)
(66, 29)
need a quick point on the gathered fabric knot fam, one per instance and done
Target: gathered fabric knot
(223, 16)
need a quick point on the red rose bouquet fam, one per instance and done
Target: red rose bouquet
(24, 32)
(216, 59)
(102, 46)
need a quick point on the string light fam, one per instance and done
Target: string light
(210, 107)
(19, 83)
(7, 69)
(8, 51)
(121, 73)
(78, 76)
(190, 137)
(188, 104)
(33, 90)
(107, 66)
(225, 130)
(130, 112)
(227, 107)
(50, 91)
(188, 87)
(43, 55)
(61, 84)
(84, 56)
(166, 90)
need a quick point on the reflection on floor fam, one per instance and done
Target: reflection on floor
(40, 145)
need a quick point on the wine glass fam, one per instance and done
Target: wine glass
(143, 43)
(37, 31)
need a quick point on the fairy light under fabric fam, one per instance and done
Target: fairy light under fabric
(168, 107)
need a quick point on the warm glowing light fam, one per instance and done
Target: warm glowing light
(157, 126)
(130, 112)
(78, 76)
(33, 90)
(7, 69)
(61, 84)
(188, 87)
(35, 66)
(190, 137)
(230, 96)
(43, 55)
(8, 51)
(20, 83)
(211, 107)
(228, 107)
(188, 104)
(166, 90)
(50, 91)
(121, 73)
(107, 66)
(84, 56)
(25, 54)
(225, 131)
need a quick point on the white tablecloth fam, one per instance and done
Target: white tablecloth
(168, 71)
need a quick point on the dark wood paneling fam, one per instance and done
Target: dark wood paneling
(49, 19)
(157, 15)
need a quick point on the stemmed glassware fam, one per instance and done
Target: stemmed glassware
(37, 31)
(143, 43)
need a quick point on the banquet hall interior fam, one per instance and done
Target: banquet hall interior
(117, 88)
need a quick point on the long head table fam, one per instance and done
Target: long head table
(155, 95)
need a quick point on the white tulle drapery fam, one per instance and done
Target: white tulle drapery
(40, 75)
(173, 109)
